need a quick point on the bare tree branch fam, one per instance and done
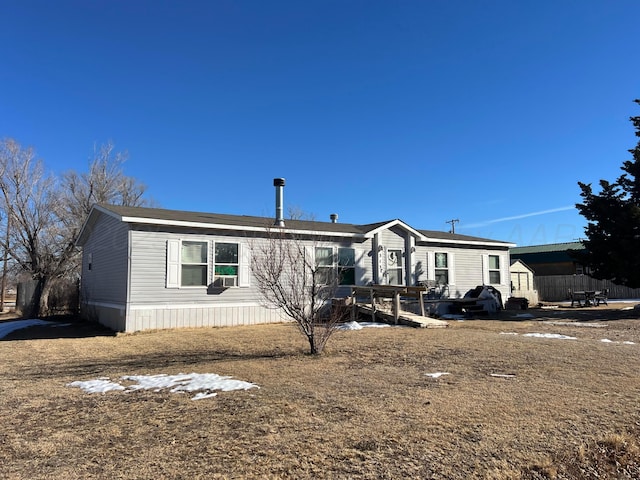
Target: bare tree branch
(46, 214)
(289, 278)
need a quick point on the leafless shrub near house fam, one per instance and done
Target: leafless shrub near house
(289, 277)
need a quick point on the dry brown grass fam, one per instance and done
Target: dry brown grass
(365, 409)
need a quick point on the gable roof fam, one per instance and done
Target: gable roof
(518, 260)
(180, 218)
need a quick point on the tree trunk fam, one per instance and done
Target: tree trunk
(43, 302)
(312, 345)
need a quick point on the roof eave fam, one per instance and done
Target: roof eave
(488, 243)
(243, 228)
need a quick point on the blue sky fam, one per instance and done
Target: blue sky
(489, 112)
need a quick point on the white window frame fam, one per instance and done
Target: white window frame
(399, 268)
(491, 270)
(342, 268)
(431, 265)
(447, 268)
(205, 264)
(174, 264)
(334, 268)
(223, 280)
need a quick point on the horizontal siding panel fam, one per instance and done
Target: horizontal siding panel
(106, 249)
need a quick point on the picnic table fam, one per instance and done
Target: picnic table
(589, 297)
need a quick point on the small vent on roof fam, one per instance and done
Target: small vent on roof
(334, 218)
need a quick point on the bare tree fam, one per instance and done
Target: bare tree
(289, 277)
(104, 182)
(27, 200)
(46, 215)
(296, 213)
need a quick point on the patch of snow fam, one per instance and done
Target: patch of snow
(350, 326)
(202, 395)
(502, 375)
(508, 333)
(99, 385)
(436, 374)
(7, 327)
(205, 383)
(606, 340)
(361, 325)
(556, 336)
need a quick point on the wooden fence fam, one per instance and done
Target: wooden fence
(555, 288)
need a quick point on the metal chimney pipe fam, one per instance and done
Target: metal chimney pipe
(279, 184)
(334, 218)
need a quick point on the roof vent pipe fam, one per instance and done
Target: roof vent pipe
(279, 184)
(334, 218)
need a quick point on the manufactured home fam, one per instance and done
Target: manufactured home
(150, 268)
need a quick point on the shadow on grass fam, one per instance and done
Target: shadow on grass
(144, 363)
(587, 314)
(62, 326)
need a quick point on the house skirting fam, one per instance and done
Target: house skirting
(159, 317)
(111, 315)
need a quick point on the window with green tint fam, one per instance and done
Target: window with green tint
(194, 263)
(226, 266)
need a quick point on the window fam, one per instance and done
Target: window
(347, 266)
(225, 272)
(441, 268)
(394, 267)
(494, 269)
(194, 264)
(324, 265)
(330, 267)
(189, 264)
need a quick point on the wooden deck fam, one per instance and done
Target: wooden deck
(382, 311)
(404, 318)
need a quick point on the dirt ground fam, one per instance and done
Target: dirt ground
(511, 406)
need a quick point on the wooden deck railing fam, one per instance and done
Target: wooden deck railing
(395, 292)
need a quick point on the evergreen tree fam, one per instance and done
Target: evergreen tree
(613, 223)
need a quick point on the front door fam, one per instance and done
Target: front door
(394, 267)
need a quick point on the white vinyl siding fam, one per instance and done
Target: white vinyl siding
(104, 263)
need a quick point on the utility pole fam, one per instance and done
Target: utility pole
(453, 222)
(3, 283)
